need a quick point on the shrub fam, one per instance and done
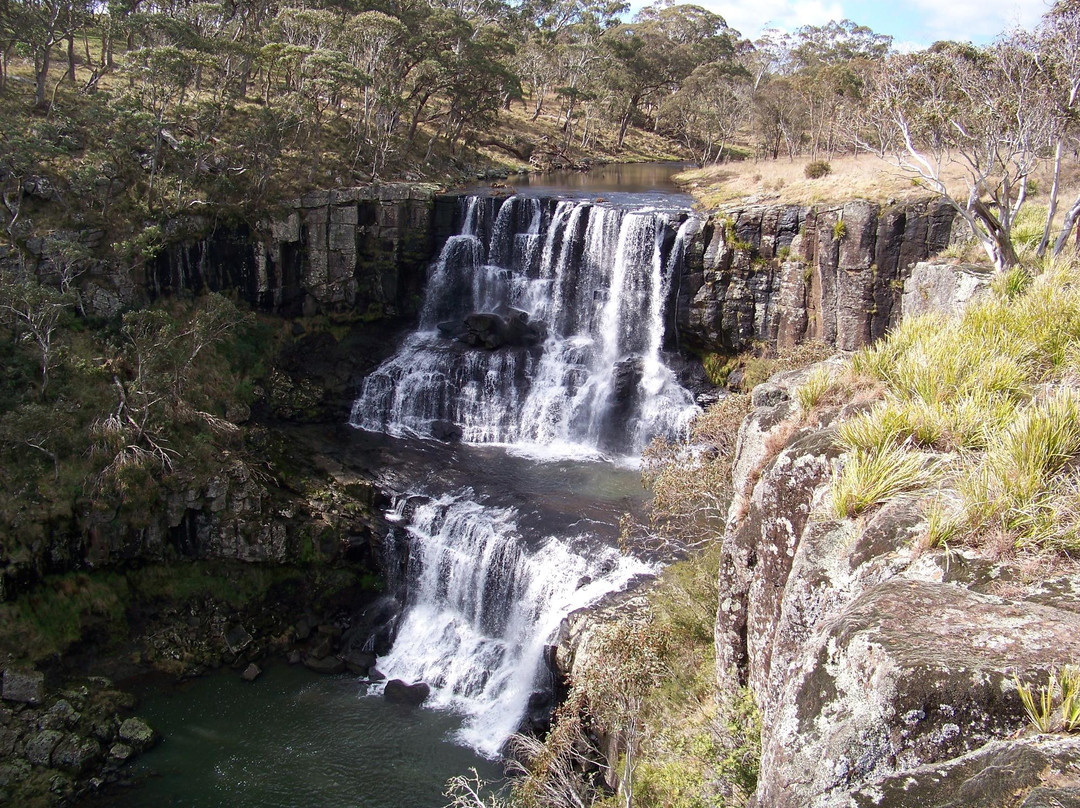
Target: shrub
(817, 169)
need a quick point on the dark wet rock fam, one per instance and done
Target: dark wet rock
(39, 748)
(251, 673)
(451, 329)
(120, 752)
(237, 638)
(24, 686)
(75, 754)
(294, 657)
(446, 431)
(303, 629)
(60, 715)
(137, 733)
(538, 713)
(327, 665)
(321, 646)
(375, 675)
(626, 378)
(508, 329)
(400, 692)
(358, 662)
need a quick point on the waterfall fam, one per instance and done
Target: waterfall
(541, 328)
(482, 604)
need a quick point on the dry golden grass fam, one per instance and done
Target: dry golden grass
(864, 177)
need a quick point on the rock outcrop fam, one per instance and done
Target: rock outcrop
(67, 744)
(783, 274)
(363, 250)
(884, 671)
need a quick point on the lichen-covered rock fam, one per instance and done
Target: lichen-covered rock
(39, 748)
(908, 674)
(1002, 773)
(75, 754)
(869, 656)
(943, 288)
(25, 686)
(137, 733)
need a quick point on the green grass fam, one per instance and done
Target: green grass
(995, 388)
(869, 478)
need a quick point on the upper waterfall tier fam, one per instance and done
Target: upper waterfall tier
(543, 324)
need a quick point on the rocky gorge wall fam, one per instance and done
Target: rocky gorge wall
(364, 250)
(779, 275)
(884, 670)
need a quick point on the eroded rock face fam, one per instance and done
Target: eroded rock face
(354, 249)
(943, 289)
(883, 672)
(781, 275)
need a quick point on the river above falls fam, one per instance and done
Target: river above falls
(651, 184)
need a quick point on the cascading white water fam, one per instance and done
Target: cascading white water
(482, 606)
(595, 280)
(542, 328)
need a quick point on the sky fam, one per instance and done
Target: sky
(912, 23)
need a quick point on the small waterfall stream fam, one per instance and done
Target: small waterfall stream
(542, 330)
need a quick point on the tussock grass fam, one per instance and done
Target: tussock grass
(815, 388)
(1055, 706)
(998, 389)
(869, 478)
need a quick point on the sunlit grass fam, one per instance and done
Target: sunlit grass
(996, 389)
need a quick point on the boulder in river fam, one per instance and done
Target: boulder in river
(251, 673)
(399, 692)
(446, 431)
(328, 664)
(137, 733)
(358, 662)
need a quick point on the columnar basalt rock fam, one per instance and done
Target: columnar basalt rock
(356, 249)
(784, 274)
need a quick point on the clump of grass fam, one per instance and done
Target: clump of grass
(813, 390)
(996, 388)
(1055, 707)
(869, 478)
(1018, 485)
(839, 231)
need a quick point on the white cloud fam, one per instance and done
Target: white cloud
(749, 18)
(976, 20)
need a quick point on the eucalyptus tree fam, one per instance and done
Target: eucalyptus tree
(708, 110)
(39, 26)
(655, 53)
(1058, 43)
(982, 110)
